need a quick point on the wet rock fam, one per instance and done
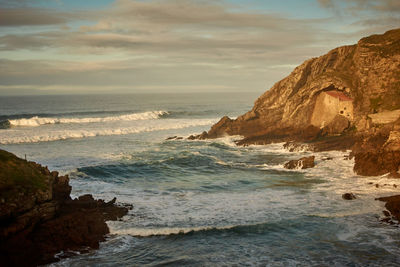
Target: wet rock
(203, 136)
(302, 163)
(176, 138)
(38, 218)
(348, 196)
(297, 147)
(392, 205)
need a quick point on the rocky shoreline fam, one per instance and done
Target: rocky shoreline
(348, 99)
(38, 218)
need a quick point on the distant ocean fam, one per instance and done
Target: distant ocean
(200, 203)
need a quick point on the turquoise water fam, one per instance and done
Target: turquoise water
(200, 203)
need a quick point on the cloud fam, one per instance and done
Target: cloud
(326, 3)
(166, 43)
(11, 17)
(356, 6)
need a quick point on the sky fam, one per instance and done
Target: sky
(147, 46)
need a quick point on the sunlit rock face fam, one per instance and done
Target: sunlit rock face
(367, 74)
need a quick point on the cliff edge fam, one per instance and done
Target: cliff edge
(334, 101)
(38, 218)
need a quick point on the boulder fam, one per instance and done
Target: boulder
(393, 206)
(348, 196)
(302, 163)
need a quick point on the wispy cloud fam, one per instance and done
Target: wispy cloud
(170, 44)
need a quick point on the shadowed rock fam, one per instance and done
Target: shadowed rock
(348, 196)
(393, 206)
(303, 163)
(38, 218)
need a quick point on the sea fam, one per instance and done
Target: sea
(200, 202)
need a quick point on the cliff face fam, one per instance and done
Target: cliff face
(38, 218)
(367, 72)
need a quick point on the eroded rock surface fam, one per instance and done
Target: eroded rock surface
(38, 218)
(302, 163)
(365, 75)
(393, 206)
(379, 153)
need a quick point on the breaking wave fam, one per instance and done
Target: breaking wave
(164, 231)
(21, 137)
(38, 121)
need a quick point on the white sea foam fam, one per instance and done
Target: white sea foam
(11, 136)
(38, 121)
(145, 232)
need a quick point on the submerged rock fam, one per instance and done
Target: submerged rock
(348, 196)
(38, 218)
(303, 163)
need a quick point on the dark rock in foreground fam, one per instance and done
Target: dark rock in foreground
(348, 196)
(38, 218)
(303, 163)
(393, 206)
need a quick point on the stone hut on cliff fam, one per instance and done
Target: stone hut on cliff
(328, 105)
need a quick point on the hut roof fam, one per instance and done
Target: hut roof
(340, 95)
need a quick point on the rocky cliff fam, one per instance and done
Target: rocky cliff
(367, 72)
(345, 99)
(38, 218)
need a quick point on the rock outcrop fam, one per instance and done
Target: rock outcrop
(303, 163)
(346, 99)
(364, 77)
(378, 153)
(38, 218)
(393, 206)
(348, 196)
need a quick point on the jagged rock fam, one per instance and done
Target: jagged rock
(203, 135)
(297, 147)
(38, 218)
(393, 206)
(303, 163)
(348, 196)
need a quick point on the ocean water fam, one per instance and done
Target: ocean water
(200, 203)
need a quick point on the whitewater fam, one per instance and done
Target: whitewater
(200, 203)
(38, 121)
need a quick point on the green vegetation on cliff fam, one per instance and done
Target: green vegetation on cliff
(18, 175)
